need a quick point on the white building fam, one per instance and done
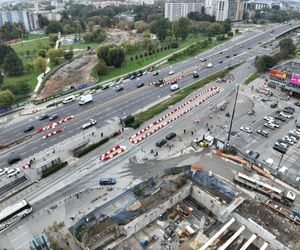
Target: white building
(228, 9)
(176, 10)
(50, 15)
(28, 19)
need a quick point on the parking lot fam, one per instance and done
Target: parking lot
(260, 120)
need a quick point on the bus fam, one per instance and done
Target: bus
(12, 214)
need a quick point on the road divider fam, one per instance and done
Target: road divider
(52, 133)
(113, 152)
(54, 124)
(175, 114)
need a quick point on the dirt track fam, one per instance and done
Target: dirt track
(75, 73)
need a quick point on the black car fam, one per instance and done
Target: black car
(120, 88)
(227, 56)
(280, 118)
(13, 159)
(155, 73)
(297, 104)
(132, 77)
(274, 105)
(298, 125)
(170, 136)
(263, 132)
(249, 48)
(28, 128)
(220, 61)
(279, 149)
(288, 110)
(195, 74)
(139, 85)
(43, 117)
(160, 143)
(53, 117)
(105, 87)
(234, 54)
(221, 52)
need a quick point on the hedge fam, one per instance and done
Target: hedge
(54, 169)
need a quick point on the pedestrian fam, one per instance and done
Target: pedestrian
(93, 133)
(101, 134)
(33, 158)
(288, 97)
(192, 132)
(207, 125)
(53, 151)
(252, 88)
(218, 116)
(184, 131)
(210, 116)
(295, 121)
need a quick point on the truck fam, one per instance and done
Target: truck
(92, 122)
(85, 99)
(285, 197)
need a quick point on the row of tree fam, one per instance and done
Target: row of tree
(287, 50)
(10, 31)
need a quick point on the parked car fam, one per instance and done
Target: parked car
(246, 129)
(203, 59)
(221, 52)
(139, 74)
(132, 77)
(294, 135)
(288, 110)
(221, 61)
(155, 73)
(43, 117)
(275, 124)
(269, 162)
(279, 149)
(235, 54)
(160, 143)
(283, 170)
(195, 74)
(268, 118)
(170, 136)
(282, 144)
(298, 125)
(227, 56)
(12, 172)
(251, 112)
(252, 154)
(107, 181)
(13, 159)
(28, 128)
(3, 171)
(268, 125)
(53, 117)
(139, 85)
(280, 118)
(274, 105)
(263, 132)
(174, 87)
(286, 116)
(171, 72)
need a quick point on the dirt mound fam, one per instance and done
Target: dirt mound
(73, 74)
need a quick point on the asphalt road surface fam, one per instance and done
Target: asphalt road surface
(109, 103)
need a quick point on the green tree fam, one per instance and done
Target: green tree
(40, 64)
(13, 65)
(1, 79)
(100, 68)
(263, 63)
(227, 25)
(4, 51)
(162, 28)
(53, 27)
(53, 37)
(7, 98)
(55, 55)
(42, 53)
(68, 55)
(115, 57)
(102, 52)
(183, 27)
(88, 37)
(140, 26)
(20, 88)
(287, 47)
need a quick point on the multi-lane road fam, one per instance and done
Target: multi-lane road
(109, 103)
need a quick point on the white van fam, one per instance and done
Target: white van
(69, 99)
(283, 170)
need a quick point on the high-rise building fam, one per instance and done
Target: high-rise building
(228, 9)
(28, 19)
(181, 8)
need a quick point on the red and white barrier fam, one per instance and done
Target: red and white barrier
(113, 152)
(170, 81)
(52, 133)
(175, 113)
(54, 124)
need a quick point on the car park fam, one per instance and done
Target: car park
(280, 118)
(269, 125)
(170, 136)
(139, 85)
(171, 72)
(160, 143)
(13, 159)
(43, 117)
(246, 129)
(3, 171)
(28, 128)
(263, 132)
(107, 181)
(53, 117)
(12, 172)
(279, 149)
(119, 88)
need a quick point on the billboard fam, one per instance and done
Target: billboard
(278, 74)
(295, 80)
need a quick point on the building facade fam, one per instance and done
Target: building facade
(176, 10)
(28, 19)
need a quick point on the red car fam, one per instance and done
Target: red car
(174, 81)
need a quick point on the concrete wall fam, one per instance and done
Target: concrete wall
(207, 201)
(148, 217)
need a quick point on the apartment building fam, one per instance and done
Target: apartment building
(28, 19)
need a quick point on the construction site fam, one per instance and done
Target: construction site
(187, 208)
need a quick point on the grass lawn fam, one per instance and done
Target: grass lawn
(30, 78)
(82, 45)
(129, 66)
(252, 77)
(32, 46)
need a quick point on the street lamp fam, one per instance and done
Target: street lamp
(233, 112)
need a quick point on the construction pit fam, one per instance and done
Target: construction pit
(75, 73)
